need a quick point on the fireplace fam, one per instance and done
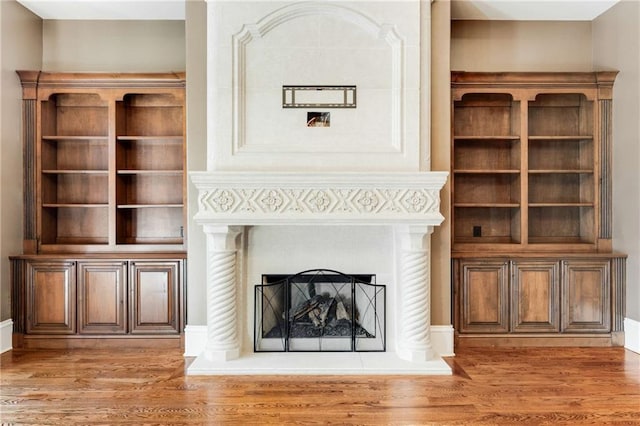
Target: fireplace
(249, 235)
(355, 194)
(319, 311)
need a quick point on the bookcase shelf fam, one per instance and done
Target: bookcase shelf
(108, 155)
(525, 143)
(531, 210)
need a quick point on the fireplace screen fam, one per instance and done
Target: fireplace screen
(319, 311)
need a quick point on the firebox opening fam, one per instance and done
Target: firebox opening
(319, 311)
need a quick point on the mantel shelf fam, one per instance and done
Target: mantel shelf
(296, 198)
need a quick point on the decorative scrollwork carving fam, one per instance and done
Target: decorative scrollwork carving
(327, 201)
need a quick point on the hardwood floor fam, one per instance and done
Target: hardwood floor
(490, 386)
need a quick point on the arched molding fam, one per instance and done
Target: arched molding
(256, 31)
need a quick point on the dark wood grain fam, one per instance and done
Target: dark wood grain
(531, 386)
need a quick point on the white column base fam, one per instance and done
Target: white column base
(6, 335)
(221, 355)
(632, 335)
(414, 355)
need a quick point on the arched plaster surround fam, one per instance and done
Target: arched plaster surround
(314, 43)
(274, 186)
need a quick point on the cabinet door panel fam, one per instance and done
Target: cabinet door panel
(102, 297)
(51, 297)
(586, 291)
(155, 297)
(535, 290)
(484, 296)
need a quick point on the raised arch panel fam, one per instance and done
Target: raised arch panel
(314, 44)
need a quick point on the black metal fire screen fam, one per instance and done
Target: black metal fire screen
(319, 310)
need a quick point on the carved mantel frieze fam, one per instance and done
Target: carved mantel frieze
(255, 198)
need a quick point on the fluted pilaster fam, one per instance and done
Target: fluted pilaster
(222, 308)
(414, 292)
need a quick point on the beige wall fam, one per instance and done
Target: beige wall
(196, 30)
(616, 45)
(118, 46)
(21, 48)
(440, 159)
(521, 46)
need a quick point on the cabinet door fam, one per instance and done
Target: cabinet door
(534, 296)
(102, 297)
(484, 301)
(51, 297)
(155, 303)
(586, 296)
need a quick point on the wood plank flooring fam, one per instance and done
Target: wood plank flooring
(532, 386)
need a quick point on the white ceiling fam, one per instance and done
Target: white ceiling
(530, 10)
(107, 9)
(518, 10)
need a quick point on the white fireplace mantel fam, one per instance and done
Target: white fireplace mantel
(408, 202)
(328, 198)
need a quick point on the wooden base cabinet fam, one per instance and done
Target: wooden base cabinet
(484, 286)
(586, 287)
(50, 297)
(154, 296)
(102, 297)
(534, 296)
(503, 300)
(98, 297)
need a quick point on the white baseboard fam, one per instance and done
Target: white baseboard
(632, 335)
(442, 339)
(6, 335)
(195, 339)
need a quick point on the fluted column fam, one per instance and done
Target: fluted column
(414, 292)
(223, 341)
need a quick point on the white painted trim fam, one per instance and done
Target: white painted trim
(318, 363)
(258, 198)
(442, 340)
(632, 335)
(6, 335)
(195, 339)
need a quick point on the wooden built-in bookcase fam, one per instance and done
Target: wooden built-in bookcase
(104, 180)
(531, 202)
